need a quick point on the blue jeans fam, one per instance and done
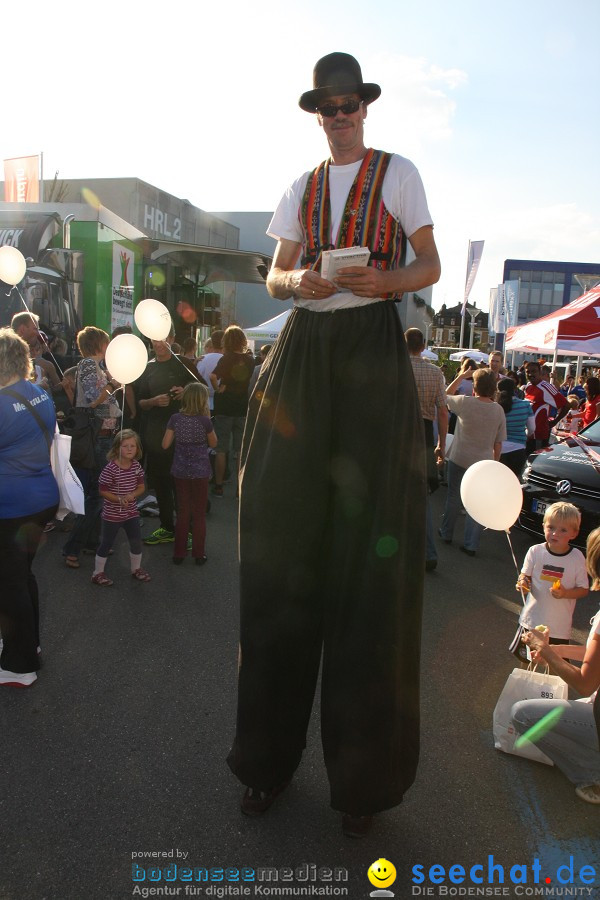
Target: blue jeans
(572, 742)
(453, 507)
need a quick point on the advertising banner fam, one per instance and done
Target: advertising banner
(499, 323)
(511, 301)
(493, 305)
(122, 287)
(22, 179)
(473, 260)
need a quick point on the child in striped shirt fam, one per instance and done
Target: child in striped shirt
(121, 482)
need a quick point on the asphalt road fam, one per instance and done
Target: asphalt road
(119, 748)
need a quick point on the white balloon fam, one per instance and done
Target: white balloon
(12, 265)
(153, 319)
(491, 494)
(126, 358)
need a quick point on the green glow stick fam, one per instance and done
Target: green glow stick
(537, 731)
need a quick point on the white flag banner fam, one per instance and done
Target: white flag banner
(474, 258)
(492, 313)
(500, 311)
(511, 302)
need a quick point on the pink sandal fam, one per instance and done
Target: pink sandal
(102, 579)
(141, 575)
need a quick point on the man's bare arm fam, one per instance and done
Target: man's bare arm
(442, 418)
(49, 370)
(285, 281)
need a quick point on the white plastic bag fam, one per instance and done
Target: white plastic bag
(524, 684)
(69, 485)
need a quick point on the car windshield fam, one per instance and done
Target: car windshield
(592, 432)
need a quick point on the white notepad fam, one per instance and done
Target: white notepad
(334, 260)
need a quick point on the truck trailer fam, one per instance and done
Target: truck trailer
(84, 266)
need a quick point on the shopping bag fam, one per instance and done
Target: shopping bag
(69, 485)
(524, 684)
(517, 647)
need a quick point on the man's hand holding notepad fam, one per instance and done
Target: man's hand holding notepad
(334, 260)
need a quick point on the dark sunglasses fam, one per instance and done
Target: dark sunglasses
(329, 110)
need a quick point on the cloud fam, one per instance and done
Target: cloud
(565, 232)
(280, 141)
(562, 231)
(416, 105)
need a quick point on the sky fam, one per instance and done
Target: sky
(495, 103)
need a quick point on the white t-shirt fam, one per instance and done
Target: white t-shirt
(544, 568)
(479, 425)
(403, 194)
(205, 367)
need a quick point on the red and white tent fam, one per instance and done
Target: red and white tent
(572, 330)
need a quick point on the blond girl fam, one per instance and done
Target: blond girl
(121, 482)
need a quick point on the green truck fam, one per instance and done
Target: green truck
(88, 266)
(84, 266)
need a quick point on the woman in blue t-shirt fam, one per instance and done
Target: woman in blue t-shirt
(520, 423)
(28, 500)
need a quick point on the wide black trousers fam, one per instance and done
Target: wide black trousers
(332, 550)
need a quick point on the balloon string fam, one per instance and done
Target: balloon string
(122, 388)
(41, 336)
(516, 564)
(174, 355)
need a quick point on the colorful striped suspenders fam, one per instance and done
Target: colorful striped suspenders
(365, 222)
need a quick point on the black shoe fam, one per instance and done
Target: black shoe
(201, 560)
(356, 826)
(445, 540)
(468, 552)
(177, 560)
(255, 802)
(430, 565)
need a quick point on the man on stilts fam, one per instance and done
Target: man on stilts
(332, 515)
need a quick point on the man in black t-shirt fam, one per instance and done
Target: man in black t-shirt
(158, 393)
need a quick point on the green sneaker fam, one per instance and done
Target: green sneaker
(160, 536)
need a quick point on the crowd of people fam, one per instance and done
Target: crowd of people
(330, 568)
(502, 415)
(154, 434)
(495, 415)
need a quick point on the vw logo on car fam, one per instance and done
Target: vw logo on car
(563, 487)
(564, 471)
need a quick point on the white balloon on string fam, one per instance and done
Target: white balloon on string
(153, 319)
(12, 265)
(492, 494)
(126, 358)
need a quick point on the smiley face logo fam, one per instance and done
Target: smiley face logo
(382, 873)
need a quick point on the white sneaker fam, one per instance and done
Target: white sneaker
(17, 679)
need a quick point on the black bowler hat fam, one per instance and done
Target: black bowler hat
(337, 73)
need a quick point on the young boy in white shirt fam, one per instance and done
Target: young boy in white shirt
(554, 575)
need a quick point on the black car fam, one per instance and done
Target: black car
(563, 471)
